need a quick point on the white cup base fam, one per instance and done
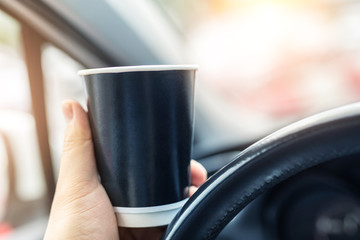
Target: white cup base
(139, 217)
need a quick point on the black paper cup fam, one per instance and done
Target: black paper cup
(141, 119)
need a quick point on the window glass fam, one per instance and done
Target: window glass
(4, 188)
(61, 83)
(22, 184)
(271, 62)
(13, 76)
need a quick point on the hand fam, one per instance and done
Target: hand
(81, 208)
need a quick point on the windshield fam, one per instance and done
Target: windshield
(268, 63)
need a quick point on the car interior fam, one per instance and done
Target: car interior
(276, 112)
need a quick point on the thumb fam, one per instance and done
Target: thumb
(77, 161)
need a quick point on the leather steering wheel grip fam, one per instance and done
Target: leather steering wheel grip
(323, 137)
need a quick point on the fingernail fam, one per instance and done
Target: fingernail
(187, 192)
(67, 112)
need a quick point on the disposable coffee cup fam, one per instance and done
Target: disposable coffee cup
(141, 119)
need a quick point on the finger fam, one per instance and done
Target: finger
(192, 190)
(198, 173)
(78, 161)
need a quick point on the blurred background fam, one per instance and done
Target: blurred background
(262, 64)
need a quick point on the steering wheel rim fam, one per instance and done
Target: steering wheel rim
(323, 137)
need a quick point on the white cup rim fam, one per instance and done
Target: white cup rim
(140, 68)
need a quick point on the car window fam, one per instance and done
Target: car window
(22, 183)
(61, 82)
(269, 63)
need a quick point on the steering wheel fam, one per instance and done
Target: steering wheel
(318, 139)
